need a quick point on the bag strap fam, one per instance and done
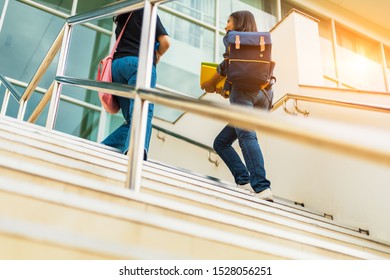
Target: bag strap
(120, 35)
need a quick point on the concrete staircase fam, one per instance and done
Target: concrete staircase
(62, 197)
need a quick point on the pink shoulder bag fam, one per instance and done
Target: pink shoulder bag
(105, 75)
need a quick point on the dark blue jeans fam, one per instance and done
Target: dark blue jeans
(253, 172)
(124, 71)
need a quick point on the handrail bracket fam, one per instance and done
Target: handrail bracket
(296, 111)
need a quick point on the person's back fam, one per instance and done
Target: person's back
(252, 176)
(124, 70)
(131, 39)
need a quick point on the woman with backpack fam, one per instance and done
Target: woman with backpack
(251, 176)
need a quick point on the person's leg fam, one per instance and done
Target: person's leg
(253, 159)
(124, 70)
(119, 138)
(223, 147)
(249, 144)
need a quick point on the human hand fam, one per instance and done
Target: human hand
(208, 86)
(224, 93)
(158, 56)
(221, 91)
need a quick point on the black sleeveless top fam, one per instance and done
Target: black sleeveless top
(130, 42)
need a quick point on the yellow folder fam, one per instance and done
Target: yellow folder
(207, 71)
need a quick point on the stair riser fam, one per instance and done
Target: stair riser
(150, 208)
(124, 232)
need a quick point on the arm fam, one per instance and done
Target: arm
(164, 44)
(210, 85)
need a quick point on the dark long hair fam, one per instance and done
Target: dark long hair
(244, 21)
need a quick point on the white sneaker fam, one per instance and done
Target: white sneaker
(265, 195)
(246, 187)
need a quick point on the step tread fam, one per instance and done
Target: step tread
(121, 192)
(106, 157)
(113, 210)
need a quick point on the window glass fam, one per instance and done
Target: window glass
(179, 68)
(32, 105)
(263, 10)
(80, 121)
(87, 47)
(203, 10)
(87, 6)
(24, 42)
(387, 56)
(359, 64)
(64, 6)
(166, 113)
(13, 105)
(1, 5)
(115, 121)
(358, 44)
(328, 61)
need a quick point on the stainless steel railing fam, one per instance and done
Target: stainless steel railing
(243, 117)
(135, 151)
(62, 43)
(328, 101)
(209, 149)
(374, 148)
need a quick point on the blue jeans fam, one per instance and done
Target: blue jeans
(124, 71)
(254, 171)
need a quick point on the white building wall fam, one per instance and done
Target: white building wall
(354, 190)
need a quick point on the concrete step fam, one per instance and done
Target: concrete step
(248, 222)
(245, 206)
(26, 240)
(115, 163)
(180, 195)
(112, 223)
(85, 173)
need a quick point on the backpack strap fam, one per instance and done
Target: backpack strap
(120, 35)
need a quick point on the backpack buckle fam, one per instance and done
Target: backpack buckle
(237, 42)
(262, 44)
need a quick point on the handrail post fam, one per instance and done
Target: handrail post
(55, 98)
(2, 16)
(22, 109)
(5, 102)
(103, 119)
(139, 118)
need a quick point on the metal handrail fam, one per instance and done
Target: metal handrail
(22, 99)
(329, 101)
(9, 86)
(181, 137)
(50, 55)
(188, 140)
(138, 129)
(236, 115)
(375, 148)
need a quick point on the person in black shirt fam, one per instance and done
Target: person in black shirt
(124, 70)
